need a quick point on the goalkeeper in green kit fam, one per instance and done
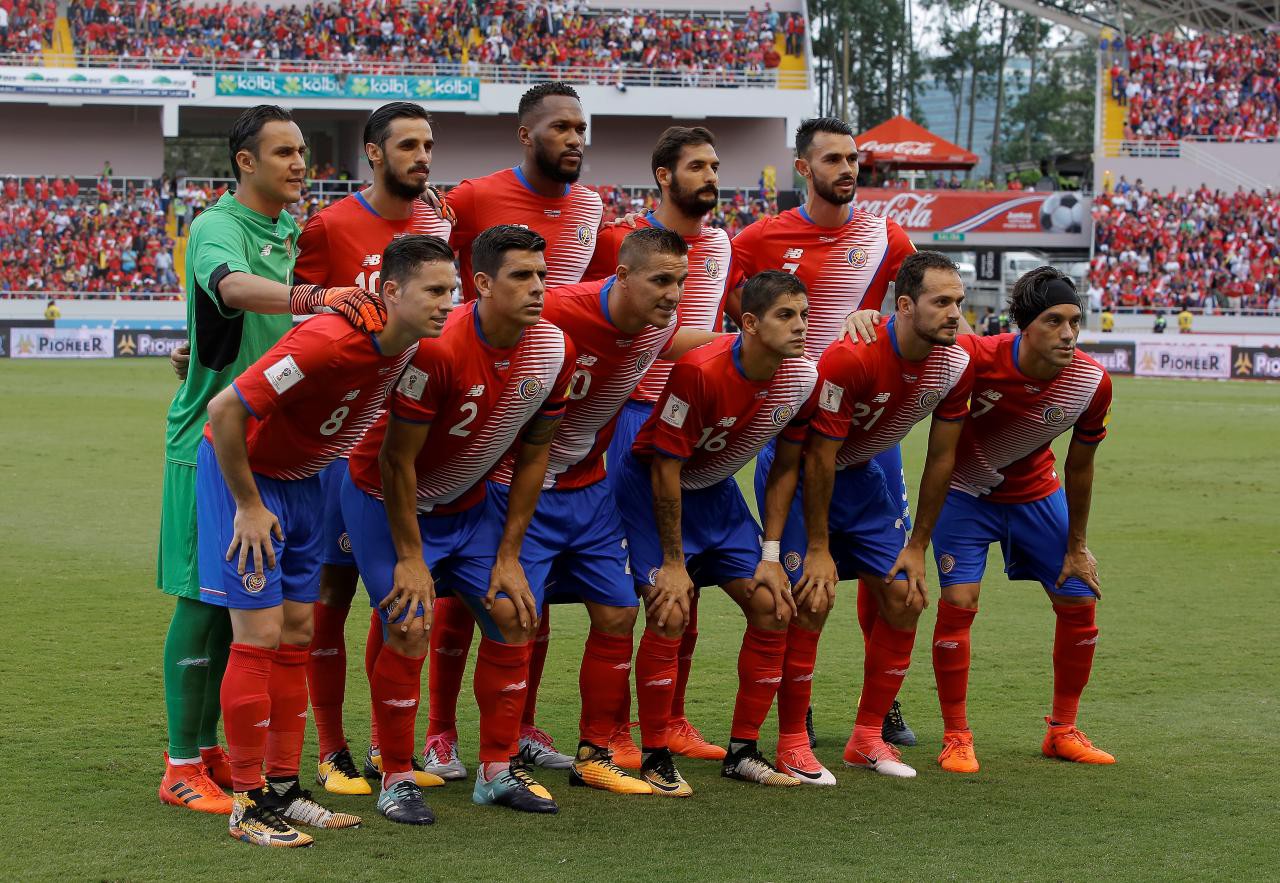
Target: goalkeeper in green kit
(239, 264)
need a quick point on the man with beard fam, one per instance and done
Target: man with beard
(869, 397)
(543, 195)
(846, 259)
(686, 169)
(343, 245)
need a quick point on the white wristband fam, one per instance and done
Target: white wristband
(771, 550)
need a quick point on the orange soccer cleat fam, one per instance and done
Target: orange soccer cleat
(684, 739)
(957, 752)
(1065, 742)
(189, 785)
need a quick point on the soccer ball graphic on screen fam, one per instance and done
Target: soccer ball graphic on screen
(1062, 213)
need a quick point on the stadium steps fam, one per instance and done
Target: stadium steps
(789, 64)
(1113, 115)
(62, 52)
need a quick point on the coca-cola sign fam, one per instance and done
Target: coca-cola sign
(906, 148)
(964, 211)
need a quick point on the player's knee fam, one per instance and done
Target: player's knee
(507, 621)
(811, 620)
(614, 620)
(668, 629)
(1072, 600)
(964, 595)
(337, 585)
(413, 643)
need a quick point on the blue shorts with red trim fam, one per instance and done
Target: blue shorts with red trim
(296, 504)
(720, 536)
(337, 543)
(1032, 538)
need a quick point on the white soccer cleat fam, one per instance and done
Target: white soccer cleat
(879, 757)
(796, 759)
(440, 757)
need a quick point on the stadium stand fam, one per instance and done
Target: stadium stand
(442, 32)
(1200, 248)
(60, 235)
(1213, 88)
(28, 25)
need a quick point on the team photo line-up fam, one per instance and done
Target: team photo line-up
(569, 429)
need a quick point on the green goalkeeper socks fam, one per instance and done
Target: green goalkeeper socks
(195, 655)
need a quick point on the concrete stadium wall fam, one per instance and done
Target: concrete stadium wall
(1258, 161)
(44, 139)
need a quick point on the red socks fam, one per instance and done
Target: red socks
(759, 673)
(372, 647)
(1074, 639)
(396, 686)
(502, 671)
(656, 671)
(288, 689)
(887, 660)
(951, 663)
(452, 627)
(246, 712)
(684, 665)
(797, 679)
(604, 682)
(868, 611)
(327, 675)
(537, 662)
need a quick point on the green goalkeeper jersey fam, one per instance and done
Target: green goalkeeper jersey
(226, 238)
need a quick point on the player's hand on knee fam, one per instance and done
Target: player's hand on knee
(252, 531)
(180, 360)
(770, 577)
(910, 563)
(411, 585)
(1081, 564)
(671, 595)
(861, 325)
(816, 588)
(507, 577)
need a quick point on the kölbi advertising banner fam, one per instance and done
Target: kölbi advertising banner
(1206, 361)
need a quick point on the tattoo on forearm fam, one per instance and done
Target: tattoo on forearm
(667, 513)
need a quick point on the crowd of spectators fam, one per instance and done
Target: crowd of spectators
(26, 26)
(733, 212)
(1215, 87)
(559, 33)
(56, 235)
(1197, 248)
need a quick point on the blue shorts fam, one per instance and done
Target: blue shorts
(297, 506)
(337, 542)
(574, 549)
(459, 549)
(874, 536)
(1032, 537)
(630, 419)
(721, 538)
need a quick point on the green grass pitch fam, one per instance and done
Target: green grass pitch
(1184, 690)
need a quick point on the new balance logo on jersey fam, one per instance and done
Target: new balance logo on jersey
(727, 421)
(551, 212)
(477, 390)
(512, 688)
(675, 411)
(793, 254)
(283, 375)
(400, 703)
(587, 361)
(372, 260)
(881, 397)
(266, 250)
(831, 396)
(353, 394)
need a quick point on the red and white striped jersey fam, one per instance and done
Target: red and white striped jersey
(568, 222)
(845, 268)
(343, 243)
(1004, 451)
(477, 398)
(869, 396)
(312, 396)
(701, 300)
(608, 365)
(716, 419)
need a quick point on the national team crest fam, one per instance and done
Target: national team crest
(584, 234)
(643, 361)
(791, 561)
(857, 258)
(1054, 415)
(653, 576)
(929, 399)
(782, 415)
(344, 542)
(712, 266)
(254, 582)
(529, 389)
(947, 563)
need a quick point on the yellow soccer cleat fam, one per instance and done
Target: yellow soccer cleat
(659, 770)
(594, 768)
(293, 804)
(421, 778)
(255, 821)
(338, 775)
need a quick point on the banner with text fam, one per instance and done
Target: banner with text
(1255, 362)
(109, 82)
(374, 88)
(130, 342)
(60, 343)
(1116, 356)
(1206, 361)
(968, 211)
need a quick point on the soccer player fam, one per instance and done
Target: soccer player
(1029, 388)
(869, 397)
(416, 506)
(343, 245)
(686, 169)
(240, 258)
(258, 499)
(846, 258)
(542, 194)
(688, 524)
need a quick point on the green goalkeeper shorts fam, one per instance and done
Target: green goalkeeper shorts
(177, 564)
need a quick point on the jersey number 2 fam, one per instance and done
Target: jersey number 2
(470, 409)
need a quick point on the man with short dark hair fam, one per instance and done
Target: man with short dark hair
(343, 245)
(239, 265)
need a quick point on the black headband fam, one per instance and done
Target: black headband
(1053, 293)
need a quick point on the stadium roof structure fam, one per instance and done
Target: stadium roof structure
(1093, 17)
(899, 143)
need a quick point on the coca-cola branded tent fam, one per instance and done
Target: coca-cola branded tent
(901, 144)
